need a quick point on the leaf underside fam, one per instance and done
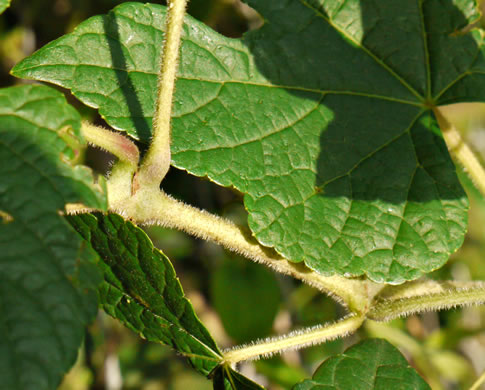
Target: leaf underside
(322, 118)
(47, 274)
(141, 289)
(373, 364)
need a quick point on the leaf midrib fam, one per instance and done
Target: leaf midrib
(129, 297)
(225, 82)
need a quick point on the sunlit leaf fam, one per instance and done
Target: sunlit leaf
(322, 118)
(373, 364)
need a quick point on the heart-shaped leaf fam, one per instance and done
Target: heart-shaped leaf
(322, 117)
(373, 364)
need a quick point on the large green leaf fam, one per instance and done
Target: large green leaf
(322, 118)
(373, 364)
(47, 280)
(141, 289)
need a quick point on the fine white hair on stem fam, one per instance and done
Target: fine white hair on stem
(449, 298)
(150, 206)
(294, 340)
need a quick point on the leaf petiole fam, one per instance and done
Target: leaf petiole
(461, 151)
(294, 340)
(114, 143)
(446, 297)
(157, 160)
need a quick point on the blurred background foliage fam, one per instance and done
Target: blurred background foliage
(236, 299)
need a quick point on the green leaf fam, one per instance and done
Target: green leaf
(225, 378)
(47, 278)
(322, 118)
(4, 4)
(239, 288)
(372, 364)
(141, 289)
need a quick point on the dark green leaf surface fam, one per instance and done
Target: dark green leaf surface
(242, 287)
(321, 117)
(4, 4)
(141, 289)
(373, 364)
(225, 378)
(47, 280)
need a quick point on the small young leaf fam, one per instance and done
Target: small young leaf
(141, 289)
(4, 4)
(247, 297)
(225, 378)
(47, 277)
(322, 117)
(373, 364)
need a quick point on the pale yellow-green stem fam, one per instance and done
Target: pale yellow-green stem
(115, 143)
(461, 151)
(294, 340)
(157, 160)
(120, 182)
(471, 293)
(152, 206)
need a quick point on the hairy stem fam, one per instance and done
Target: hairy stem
(115, 143)
(155, 207)
(461, 151)
(120, 182)
(294, 340)
(471, 293)
(157, 161)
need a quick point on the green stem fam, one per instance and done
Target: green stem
(294, 340)
(115, 143)
(120, 182)
(471, 293)
(149, 206)
(157, 160)
(461, 151)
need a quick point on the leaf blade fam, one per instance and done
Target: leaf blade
(371, 364)
(225, 378)
(47, 281)
(339, 157)
(4, 4)
(141, 289)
